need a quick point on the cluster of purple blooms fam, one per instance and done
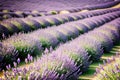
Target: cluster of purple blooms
(110, 69)
(69, 60)
(35, 42)
(12, 26)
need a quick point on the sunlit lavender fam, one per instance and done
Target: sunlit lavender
(110, 69)
(59, 40)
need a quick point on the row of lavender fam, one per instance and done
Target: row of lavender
(35, 42)
(102, 6)
(11, 26)
(5, 14)
(110, 70)
(71, 59)
(94, 7)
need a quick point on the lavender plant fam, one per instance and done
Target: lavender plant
(76, 53)
(92, 46)
(110, 70)
(53, 66)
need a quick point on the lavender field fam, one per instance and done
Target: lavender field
(59, 39)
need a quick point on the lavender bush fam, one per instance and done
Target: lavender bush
(110, 69)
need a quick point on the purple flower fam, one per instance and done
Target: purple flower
(26, 60)
(46, 51)
(18, 60)
(28, 57)
(15, 64)
(31, 58)
(51, 49)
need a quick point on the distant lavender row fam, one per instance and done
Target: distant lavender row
(94, 7)
(110, 70)
(4, 14)
(35, 42)
(71, 59)
(11, 26)
(47, 5)
(102, 6)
